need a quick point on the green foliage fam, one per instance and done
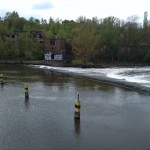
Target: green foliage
(92, 40)
(147, 57)
(84, 41)
(28, 49)
(76, 62)
(111, 37)
(67, 28)
(8, 49)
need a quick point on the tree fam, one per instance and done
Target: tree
(131, 30)
(1, 48)
(3, 28)
(91, 40)
(110, 37)
(146, 29)
(84, 41)
(10, 19)
(66, 29)
(145, 21)
(28, 49)
(132, 33)
(8, 51)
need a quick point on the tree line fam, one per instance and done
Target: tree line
(91, 40)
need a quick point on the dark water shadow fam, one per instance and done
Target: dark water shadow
(26, 103)
(2, 87)
(77, 127)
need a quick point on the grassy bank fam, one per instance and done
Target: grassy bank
(62, 64)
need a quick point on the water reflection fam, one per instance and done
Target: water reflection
(18, 74)
(61, 80)
(77, 126)
(50, 78)
(2, 87)
(26, 103)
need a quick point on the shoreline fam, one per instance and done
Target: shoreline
(62, 64)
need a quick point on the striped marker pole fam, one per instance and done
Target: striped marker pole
(2, 79)
(26, 88)
(77, 108)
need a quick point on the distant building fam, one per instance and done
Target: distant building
(12, 35)
(54, 49)
(38, 35)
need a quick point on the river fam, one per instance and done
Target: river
(111, 117)
(137, 78)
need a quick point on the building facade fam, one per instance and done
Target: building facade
(54, 49)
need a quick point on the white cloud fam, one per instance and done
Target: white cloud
(72, 9)
(42, 6)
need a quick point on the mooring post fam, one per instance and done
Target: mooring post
(26, 88)
(2, 79)
(77, 108)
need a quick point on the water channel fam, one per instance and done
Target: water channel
(111, 117)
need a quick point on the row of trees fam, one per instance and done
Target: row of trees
(112, 39)
(92, 40)
(23, 48)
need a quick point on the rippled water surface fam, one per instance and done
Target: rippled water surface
(111, 117)
(139, 76)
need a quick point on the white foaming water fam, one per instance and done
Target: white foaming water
(139, 75)
(135, 75)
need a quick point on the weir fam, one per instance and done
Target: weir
(137, 78)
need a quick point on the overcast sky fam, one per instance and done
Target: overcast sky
(72, 9)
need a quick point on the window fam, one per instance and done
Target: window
(52, 42)
(13, 36)
(52, 56)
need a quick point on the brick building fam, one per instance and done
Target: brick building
(54, 49)
(37, 35)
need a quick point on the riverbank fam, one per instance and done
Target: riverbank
(36, 62)
(62, 64)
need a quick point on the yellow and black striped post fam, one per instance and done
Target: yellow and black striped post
(2, 79)
(77, 108)
(26, 88)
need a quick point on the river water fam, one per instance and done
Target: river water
(111, 117)
(133, 77)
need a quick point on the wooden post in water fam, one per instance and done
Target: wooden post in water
(2, 79)
(26, 88)
(77, 108)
